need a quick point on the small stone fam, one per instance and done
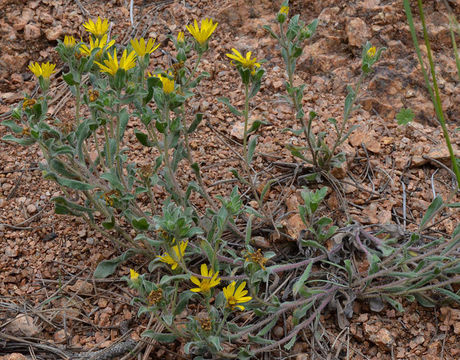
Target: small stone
(341, 171)
(13, 62)
(303, 356)
(23, 325)
(278, 84)
(357, 32)
(31, 32)
(278, 332)
(53, 33)
(31, 209)
(60, 336)
(381, 337)
(82, 287)
(13, 356)
(10, 252)
(261, 242)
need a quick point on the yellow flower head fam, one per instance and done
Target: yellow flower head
(204, 285)
(45, 69)
(180, 37)
(284, 10)
(134, 274)
(371, 52)
(112, 65)
(141, 48)
(98, 43)
(98, 28)
(245, 62)
(235, 297)
(202, 34)
(69, 41)
(178, 254)
(168, 84)
(257, 258)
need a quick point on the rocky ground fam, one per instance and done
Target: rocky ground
(46, 260)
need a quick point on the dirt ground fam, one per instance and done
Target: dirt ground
(47, 260)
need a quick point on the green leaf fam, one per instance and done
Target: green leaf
(349, 268)
(405, 116)
(109, 224)
(143, 138)
(297, 132)
(432, 210)
(161, 337)
(233, 109)
(256, 124)
(68, 78)
(13, 126)
(299, 313)
(424, 301)
(396, 304)
(215, 341)
(108, 267)
(123, 118)
(195, 123)
(291, 343)
(270, 31)
(314, 244)
(72, 184)
(259, 340)
(251, 148)
(301, 282)
(20, 141)
(140, 224)
(450, 294)
(268, 327)
(184, 298)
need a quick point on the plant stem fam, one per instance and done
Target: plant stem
(297, 106)
(437, 98)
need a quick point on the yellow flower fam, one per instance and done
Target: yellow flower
(45, 69)
(155, 297)
(371, 51)
(235, 297)
(257, 258)
(202, 34)
(98, 43)
(111, 65)
(284, 10)
(69, 41)
(204, 285)
(245, 62)
(141, 48)
(180, 37)
(168, 84)
(179, 251)
(28, 103)
(134, 274)
(98, 28)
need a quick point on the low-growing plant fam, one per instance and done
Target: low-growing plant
(201, 257)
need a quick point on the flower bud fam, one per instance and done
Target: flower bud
(283, 14)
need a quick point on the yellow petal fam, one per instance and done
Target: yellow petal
(204, 270)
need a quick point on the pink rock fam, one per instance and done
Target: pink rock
(31, 32)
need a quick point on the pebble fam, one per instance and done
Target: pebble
(31, 209)
(31, 32)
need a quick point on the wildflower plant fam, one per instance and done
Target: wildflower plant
(291, 37)
(202, 256)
